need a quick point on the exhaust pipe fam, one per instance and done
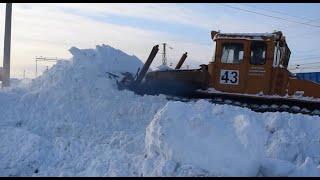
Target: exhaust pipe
(146, 65)
(181, 61)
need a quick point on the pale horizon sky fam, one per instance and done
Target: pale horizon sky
(44, 29)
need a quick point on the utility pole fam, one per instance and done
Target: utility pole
(7, 44)
(164, 57)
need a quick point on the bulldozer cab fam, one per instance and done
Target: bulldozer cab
(243, 63)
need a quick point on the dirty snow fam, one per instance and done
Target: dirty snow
(72, 121)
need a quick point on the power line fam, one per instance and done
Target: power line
(275, 17)
(314, 20)
(286, 14)
(317, 67)
(306, 63)
(308, 51)
(307, 58)
(279, 12)
(305, 34)
(304, 68)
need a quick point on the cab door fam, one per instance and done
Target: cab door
(231, 65)
(259, 67)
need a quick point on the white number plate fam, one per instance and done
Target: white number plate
(229, 77)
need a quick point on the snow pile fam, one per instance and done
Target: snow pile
(72, 121)
(202, 139)
(75, 111)
(117, 60)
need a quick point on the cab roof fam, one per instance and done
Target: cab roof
(249, 36)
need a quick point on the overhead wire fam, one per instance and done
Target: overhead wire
(306, 66)
(275, 17)
(299, 59)
(290, 15)
(308, 50)
(286, 14)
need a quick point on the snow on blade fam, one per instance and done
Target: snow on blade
(72, 121)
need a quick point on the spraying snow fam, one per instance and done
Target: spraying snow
(72, 121)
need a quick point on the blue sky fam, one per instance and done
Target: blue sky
(51, 29)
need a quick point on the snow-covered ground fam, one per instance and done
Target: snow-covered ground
(72, 121)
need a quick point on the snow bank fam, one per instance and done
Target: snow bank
(22, 152)
(221, 140)
(91, 127)
(222, 144)
(72, 121)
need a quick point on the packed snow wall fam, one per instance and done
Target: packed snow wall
(73, 121)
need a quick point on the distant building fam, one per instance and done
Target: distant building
(312, 76)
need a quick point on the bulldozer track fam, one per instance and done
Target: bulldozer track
(257, 104)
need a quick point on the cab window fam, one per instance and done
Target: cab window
(286, 56)
(232, 53)
(258, 53)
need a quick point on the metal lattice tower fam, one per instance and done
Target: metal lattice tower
(164, 56)
(46, 59)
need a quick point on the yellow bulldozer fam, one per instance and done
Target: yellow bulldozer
(248, 70)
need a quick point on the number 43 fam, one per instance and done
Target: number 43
(229, 77)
